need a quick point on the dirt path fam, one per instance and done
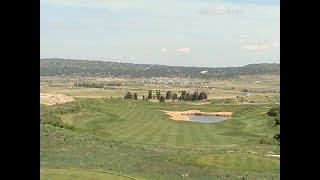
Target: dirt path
(183, 115)
(53, 98)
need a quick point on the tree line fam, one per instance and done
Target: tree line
(169, 95)
(96, 85)
(60, 67)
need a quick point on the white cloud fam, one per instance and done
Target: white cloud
(184, 50)
(261, 46)
(275, 45)
(255, 47)
(221, 9)
(243, 36)
(163, 50)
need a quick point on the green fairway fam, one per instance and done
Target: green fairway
(141, 122)
(66, 174)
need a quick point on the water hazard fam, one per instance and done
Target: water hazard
(207, 118)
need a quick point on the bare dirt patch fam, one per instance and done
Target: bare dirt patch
(183, 115)
(53, 98)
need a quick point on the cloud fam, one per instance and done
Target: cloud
(275, 45)
(163, 50)
(262, 46)
(219, 10)
(184, 50)
(254, 47)
(243, 36)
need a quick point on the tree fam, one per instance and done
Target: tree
(174, 96)
(135, 96)
(168, 95)
(158, 94)
(195, 96)
(150, 94)
(183, 95)
(128, 96)
(162, 99)
(143, 97)
(203, 95)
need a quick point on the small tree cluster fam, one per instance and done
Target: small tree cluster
(186, 96)
(89, 85)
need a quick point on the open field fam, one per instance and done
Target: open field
(261, 89)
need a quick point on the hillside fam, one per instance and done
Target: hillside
(58, 67)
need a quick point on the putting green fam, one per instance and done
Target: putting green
(238, 161)
(67, 174)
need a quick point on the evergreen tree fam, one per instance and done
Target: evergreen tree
(158, 94)
(162, 99)
(174, 96)
(168, 95)
(150, 94)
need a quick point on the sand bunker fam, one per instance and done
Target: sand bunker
(53, 98)
(183, 115)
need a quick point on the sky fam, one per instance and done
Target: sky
(205, 33)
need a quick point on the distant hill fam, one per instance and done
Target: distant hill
(58, 67)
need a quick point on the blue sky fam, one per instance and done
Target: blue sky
(172, 32)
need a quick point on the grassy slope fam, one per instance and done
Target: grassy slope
(138, 121)
(65, 149)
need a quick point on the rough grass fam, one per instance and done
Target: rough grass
(66, 174)
(238, 161)
(65, 149)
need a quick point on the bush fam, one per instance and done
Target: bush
(277, 121)
(60, 124)
(266, 140)
(277, 137)
(274, 112)
(128, 96)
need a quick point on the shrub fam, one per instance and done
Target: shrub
(274, 112)
(128, 96)
(60, 124)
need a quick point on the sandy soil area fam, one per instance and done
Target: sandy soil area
(53, 98)
(183, 115)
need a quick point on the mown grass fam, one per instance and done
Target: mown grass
(141, 122)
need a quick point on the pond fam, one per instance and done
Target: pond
(207, 118)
